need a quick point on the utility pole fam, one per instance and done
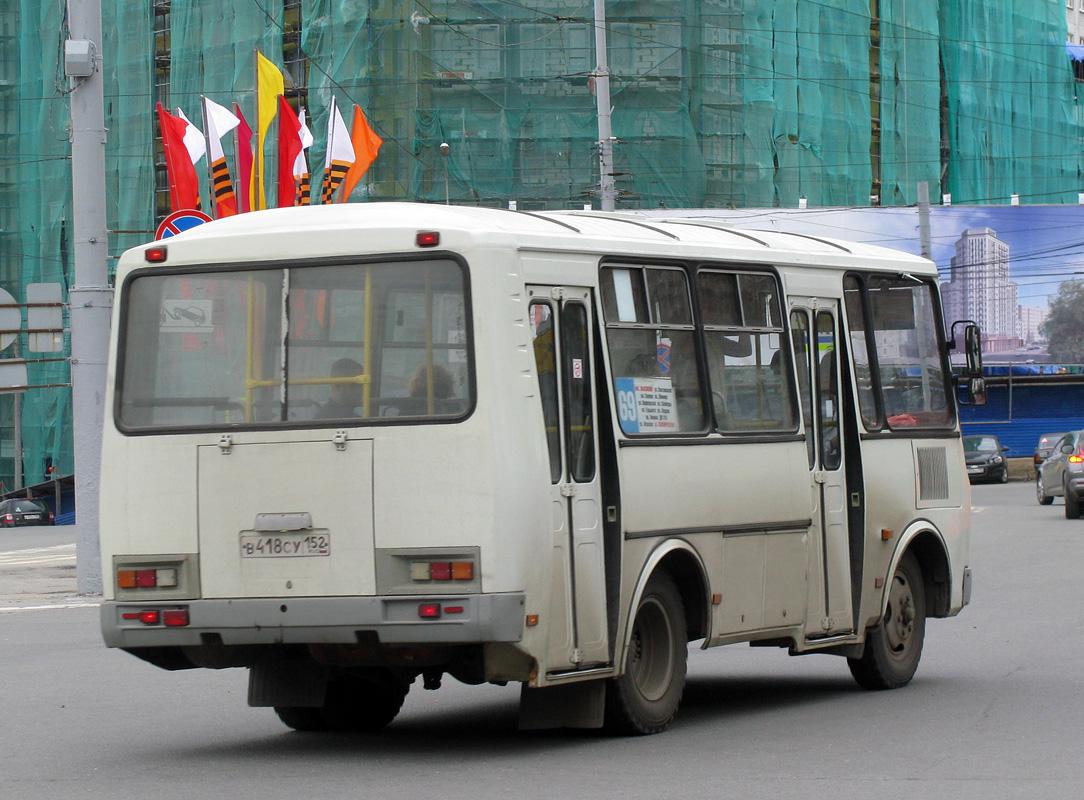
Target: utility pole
(924, 220)
(602, 99)
(91, 297)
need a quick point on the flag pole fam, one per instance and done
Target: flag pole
(329, 153)
(170, 172)
(257, 159)
(237, 162)
(207, 158)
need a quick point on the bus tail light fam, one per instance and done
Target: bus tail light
(426, 570)
(429, 610)
(165, 577)
(146, 578)
(442, 571)
(170, 617)
(175, 618)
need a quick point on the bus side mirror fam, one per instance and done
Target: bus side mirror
(976, 384)
(976, 391)
(973, 351)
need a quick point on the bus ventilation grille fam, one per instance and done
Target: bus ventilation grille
(932, 473)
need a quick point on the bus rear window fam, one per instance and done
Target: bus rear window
(300, 345)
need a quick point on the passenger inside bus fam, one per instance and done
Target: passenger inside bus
(346, 395)
(419, 402)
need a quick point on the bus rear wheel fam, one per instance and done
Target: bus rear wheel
(894, 647)
(646, 697)
(360, 702)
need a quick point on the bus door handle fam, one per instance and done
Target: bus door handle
(568, 489)
(819, 476)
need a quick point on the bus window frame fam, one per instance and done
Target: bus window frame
(882, 427)
(787, 368)
(214, 268)
(712, 432)
(605, 326)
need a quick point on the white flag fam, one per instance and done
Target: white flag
(193, 139)
(339, 146)
(300, 167)
(220, 121)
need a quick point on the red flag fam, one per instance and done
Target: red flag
(244, 162)
(183, 182)
(290, 147)
(366, 146)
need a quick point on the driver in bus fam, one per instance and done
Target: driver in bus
(346, 396)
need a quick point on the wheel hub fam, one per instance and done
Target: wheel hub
(900, 617)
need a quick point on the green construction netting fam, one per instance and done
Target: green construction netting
(716, 103)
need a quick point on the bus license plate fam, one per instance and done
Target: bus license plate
(264, 546)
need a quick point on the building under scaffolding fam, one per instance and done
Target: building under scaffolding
(716, 103)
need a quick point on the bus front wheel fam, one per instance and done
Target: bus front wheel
(646, 697)
(893, 647)
(365, 701)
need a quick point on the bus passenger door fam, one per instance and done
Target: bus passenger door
(814, 330)
(561, 326)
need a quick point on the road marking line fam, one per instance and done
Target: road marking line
(39, 555)
(44, 608)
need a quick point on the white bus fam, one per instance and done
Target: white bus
(355, 445)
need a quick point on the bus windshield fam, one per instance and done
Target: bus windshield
(302, 345)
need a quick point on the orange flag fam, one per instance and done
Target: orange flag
(366, 146)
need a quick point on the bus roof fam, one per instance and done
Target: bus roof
(340, 229)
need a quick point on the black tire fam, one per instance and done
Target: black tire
(646, 697)
(1072, 505)
(1004, 476)
(364, 701)
(1040, 492)
(301, 719)
(894, 647)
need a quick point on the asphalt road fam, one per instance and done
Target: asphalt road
(995, 711)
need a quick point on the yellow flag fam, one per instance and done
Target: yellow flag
(269, 85)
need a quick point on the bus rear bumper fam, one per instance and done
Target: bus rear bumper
(429, 619)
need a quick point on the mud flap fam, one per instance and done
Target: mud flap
(293, 684)
(574, 705)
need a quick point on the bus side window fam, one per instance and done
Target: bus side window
(748, 366)
(652, 344)
(545, 356)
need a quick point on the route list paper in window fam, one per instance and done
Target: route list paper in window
(646, 405)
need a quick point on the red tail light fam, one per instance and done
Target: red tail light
(1076, 460)
(175, 618)
(429, 610)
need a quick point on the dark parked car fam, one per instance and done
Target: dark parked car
(1062, 474)
(1043, 448)
(985, 459)
(23, 511)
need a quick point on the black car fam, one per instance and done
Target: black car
(24, 511)
(1044, 447)
(985, 459)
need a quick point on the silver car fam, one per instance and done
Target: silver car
(1062, 474)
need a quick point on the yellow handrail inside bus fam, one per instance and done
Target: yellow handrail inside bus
(252, 358)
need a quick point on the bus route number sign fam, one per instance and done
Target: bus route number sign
(646, 405)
